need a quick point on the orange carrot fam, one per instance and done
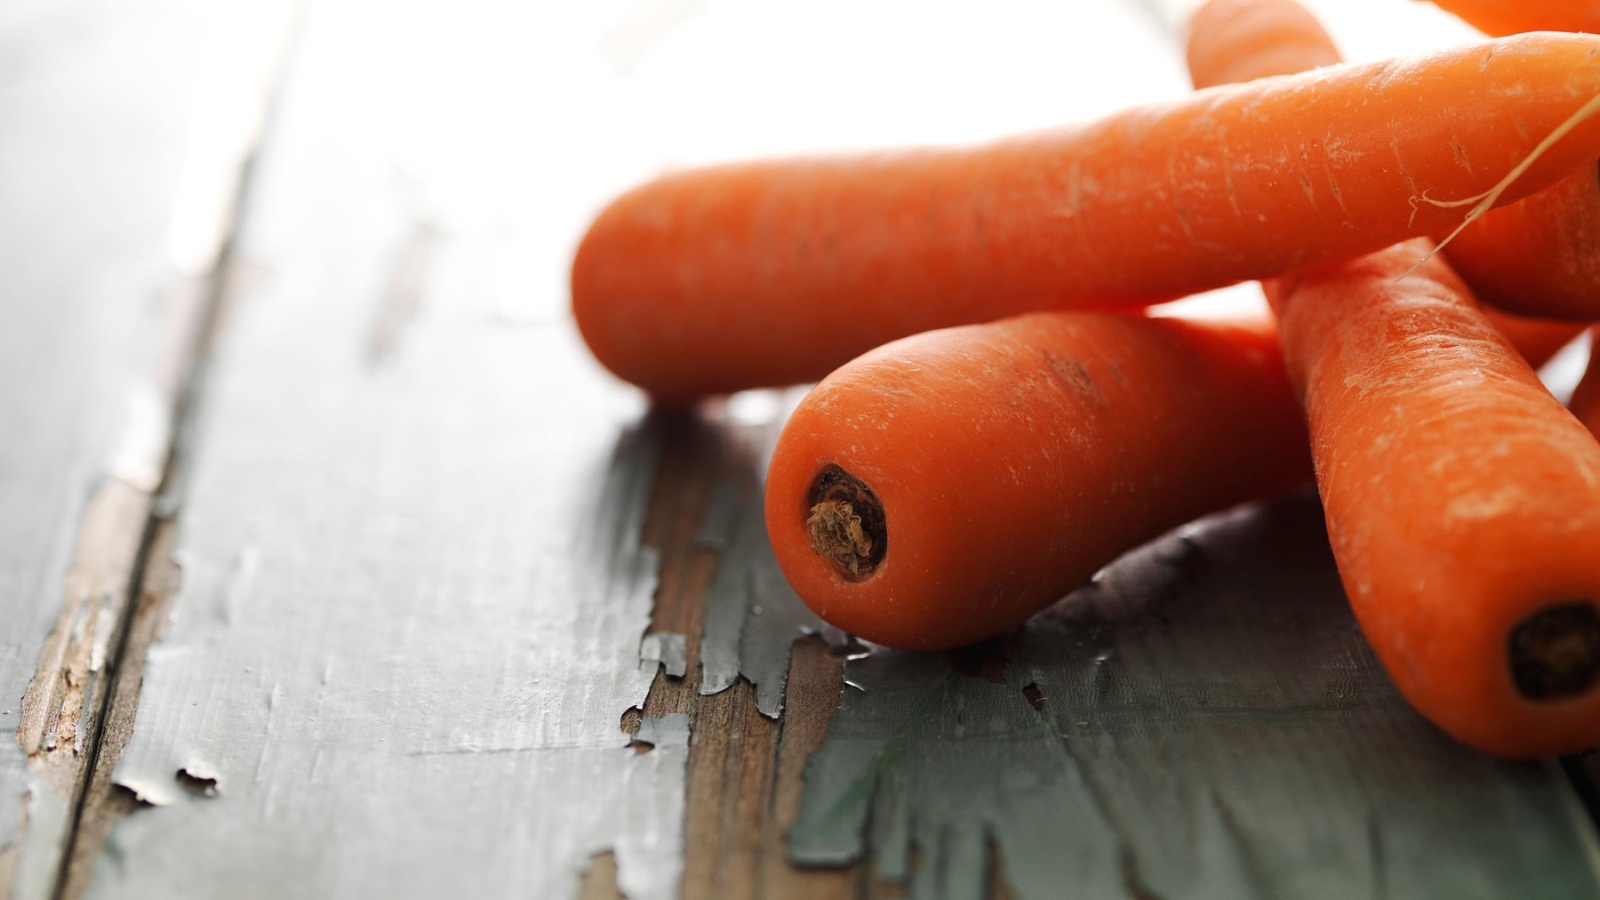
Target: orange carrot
(1463, 501)
(944, 487)
(773, 273)
(1504, 17)
(1232, 41)
(1244, 39)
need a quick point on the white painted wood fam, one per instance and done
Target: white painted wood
(99, 118)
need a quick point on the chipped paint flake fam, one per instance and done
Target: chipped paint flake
(667, 650)
(670, 730)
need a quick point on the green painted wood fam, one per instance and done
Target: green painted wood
(1209, 723)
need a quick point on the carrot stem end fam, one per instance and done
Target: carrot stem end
(846, 523)
(1555, 652)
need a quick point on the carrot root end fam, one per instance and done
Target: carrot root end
(1555, 652)
(846, 523)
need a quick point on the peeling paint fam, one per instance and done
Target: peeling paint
(669, 650)
(752, 615)
(726, 601)
(664, 732)
(79, 413)
(1209, 724)
(776, 618)
(716, 528)
(49, 815)
(275, 733)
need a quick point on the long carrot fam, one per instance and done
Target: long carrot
(1463, 501)
(1506, 17)
(776, 272)
(944, 487)
(1236, 40)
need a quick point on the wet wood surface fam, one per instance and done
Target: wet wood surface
(332, 566)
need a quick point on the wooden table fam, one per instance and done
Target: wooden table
(333, 567)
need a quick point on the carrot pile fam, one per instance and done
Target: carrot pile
(996, 418)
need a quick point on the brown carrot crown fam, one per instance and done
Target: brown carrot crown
(1555, 652)
(846, 523)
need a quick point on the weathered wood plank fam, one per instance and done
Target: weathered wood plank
(413, 589)
(101, 122)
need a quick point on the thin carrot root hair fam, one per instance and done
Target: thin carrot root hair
(1486, 200)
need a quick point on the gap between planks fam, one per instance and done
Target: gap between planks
(92, 663)
(154, 580)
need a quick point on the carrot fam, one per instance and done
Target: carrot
(1463, 501)
(1585, 400)
(1505, 17)
(776, 272)
(1245, 39)
(942, 488)
(1537, 339)
(1232, 41)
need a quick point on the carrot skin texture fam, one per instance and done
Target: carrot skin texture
(1500, 18)
(1016, 458)
(772, 273)
(1460, 496)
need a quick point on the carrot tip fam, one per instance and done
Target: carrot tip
(1555, 652)
(846, 523)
